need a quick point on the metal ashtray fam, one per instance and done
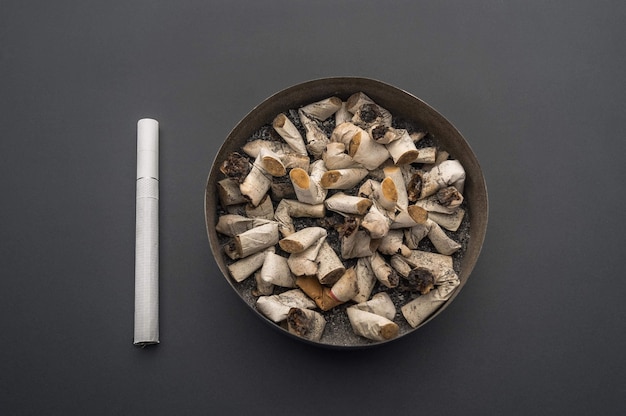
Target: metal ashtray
(414, 303)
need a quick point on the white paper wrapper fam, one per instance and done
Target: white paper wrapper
(276, 307)
(147, 235)
(371, 325)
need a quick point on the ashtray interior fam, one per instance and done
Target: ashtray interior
(402, 106)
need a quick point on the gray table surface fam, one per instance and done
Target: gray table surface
(536, 87)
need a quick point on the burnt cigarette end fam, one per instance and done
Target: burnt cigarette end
(369, 113)
(389, 331)
(394, 278)
(378, 132)
(448, 196)
(414, 187)
(298, 322)
(349, 226)
(236, 167)
(421, 279)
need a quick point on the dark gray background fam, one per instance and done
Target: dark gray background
(536, 87)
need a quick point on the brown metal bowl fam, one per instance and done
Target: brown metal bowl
(400, 104)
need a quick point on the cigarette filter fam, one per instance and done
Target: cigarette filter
(147, 234)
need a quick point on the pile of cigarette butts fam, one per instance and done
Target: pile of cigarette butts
(389, 193)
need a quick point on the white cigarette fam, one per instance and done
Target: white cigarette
(400, 265)
(449, 172)
(348, 204)
(253, 148)
(330, 267)
(372, 326)
(275, 270)
(366, 111)
(317, 292)
(294, 160)
(423, 306)
(343, 133)
(346, 287)
(376, 221)
(289, 157)
(394, 173)
(343, 178)
(281, 189)
(365, 279)
(288, 209)
(450, 222)
(244, 268)
(442, 242)
(393, 243)
(342, 115)
(323, 109)
(418, 135)
(272, 163)
(419, 309)
(264, 211)
(356, 100)
(380, 304)
(303, 239)
(371, 115)
(441, 156)
(307, 187)
(263, 288)
(385, 193)
(357, 244)
(316, 139)
(290, 134)
(439, 265)
(257, 182)
(256, 239)
(432, 204)
(276, 307)
(410, 217)
(384, 134)
(229, 193)
(146, 323)
(335, 157)
(426, 155)
(304, 263)
(413, 235)
(230, 249)
(233, 224)
(306, 323)
(383, 271)
(447, 283)
(364, 150)
(403, 150)
(449, 197)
